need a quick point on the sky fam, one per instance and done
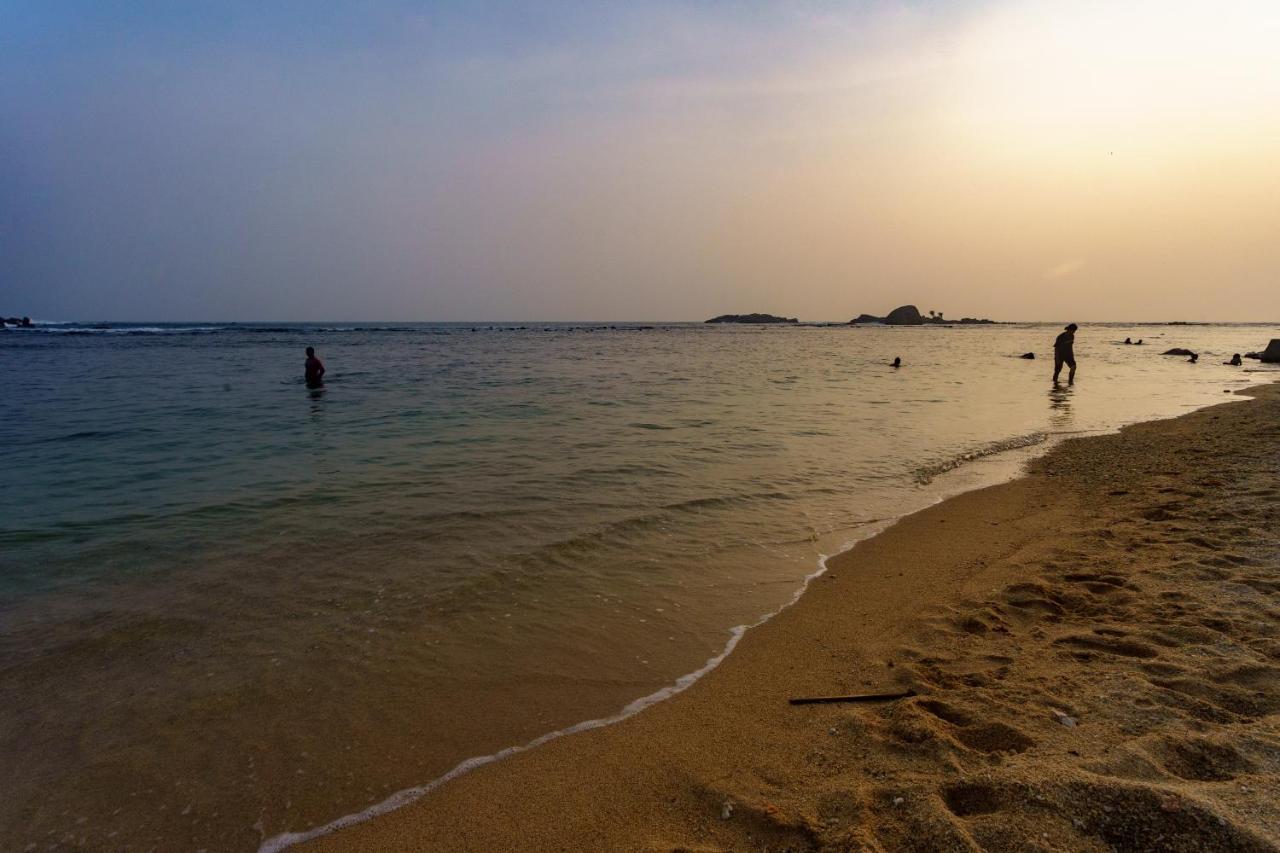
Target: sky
(293, 160)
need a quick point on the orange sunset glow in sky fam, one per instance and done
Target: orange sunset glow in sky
(1040, 159)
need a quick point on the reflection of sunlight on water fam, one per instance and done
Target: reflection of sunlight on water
(543, 520)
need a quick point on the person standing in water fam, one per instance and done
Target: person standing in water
(314, 369)
(1064, 353)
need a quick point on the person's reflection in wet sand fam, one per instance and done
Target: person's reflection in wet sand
(1060, 406)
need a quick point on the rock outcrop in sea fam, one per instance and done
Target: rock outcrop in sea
(909, 315)
(751, 318)
(906, 315)
(1271, 355)
(21, 322)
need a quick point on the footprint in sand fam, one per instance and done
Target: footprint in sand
(1108, 645)
(966, 799)
(994, 737)
(1199, 759)
(945, 712)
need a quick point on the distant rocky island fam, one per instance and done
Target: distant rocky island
(751, 318)
(21, 322)
(909, 315)
(906, 315)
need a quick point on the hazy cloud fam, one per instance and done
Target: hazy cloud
(1063, 269)
(643, 161)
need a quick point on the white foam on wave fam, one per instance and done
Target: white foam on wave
(1031, 442)
(926, 474)
(71, 329)
(403, 798)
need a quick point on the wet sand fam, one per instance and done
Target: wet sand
(1096, 649)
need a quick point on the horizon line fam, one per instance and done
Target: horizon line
(491, 321)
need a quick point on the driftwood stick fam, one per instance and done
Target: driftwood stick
(863, 697)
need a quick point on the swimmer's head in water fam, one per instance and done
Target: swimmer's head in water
(311, 350)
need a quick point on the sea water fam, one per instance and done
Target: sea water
(232, 606)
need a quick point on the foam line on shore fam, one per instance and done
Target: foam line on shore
(1038, 442)
(403, 798)
(926, 474)
(285, 840)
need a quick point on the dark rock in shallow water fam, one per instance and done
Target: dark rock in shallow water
(907, 315)
(751, 318)
(1271, 355)
(1029, 355)
(865, 318)
(1177, 351)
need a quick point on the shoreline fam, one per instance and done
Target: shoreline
(557, 765)
(315, 611)
(925, 476)
(408, 796)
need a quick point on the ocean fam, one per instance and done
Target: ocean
(232, 606)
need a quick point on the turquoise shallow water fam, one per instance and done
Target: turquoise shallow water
(224, 593)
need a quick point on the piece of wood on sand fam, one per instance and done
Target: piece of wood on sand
(860, 697)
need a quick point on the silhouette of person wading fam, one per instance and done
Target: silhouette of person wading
(1064, 353)
(314, 369)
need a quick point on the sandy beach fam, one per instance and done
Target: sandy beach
(639, 427)
(1094, 648)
